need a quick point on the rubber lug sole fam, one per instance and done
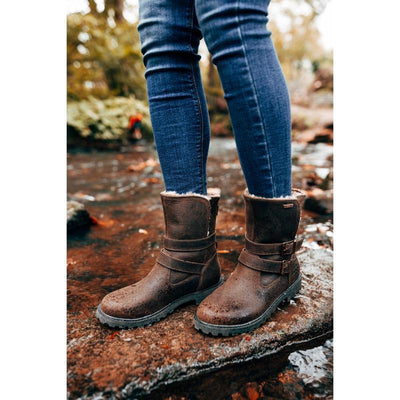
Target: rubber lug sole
(126, 323)
(232, 330)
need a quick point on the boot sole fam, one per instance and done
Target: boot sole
(232, 330)
(115, 322)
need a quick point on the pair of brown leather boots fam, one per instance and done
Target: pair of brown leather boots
(187, 268)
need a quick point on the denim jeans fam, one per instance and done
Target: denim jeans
(254, 87)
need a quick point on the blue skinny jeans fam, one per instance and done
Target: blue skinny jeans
(236, 35)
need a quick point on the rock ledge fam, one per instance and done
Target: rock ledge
(131, 363)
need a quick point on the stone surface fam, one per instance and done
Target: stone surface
(120, 249)
(139, 361)
(77, 215)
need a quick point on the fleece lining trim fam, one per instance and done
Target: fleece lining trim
(211, 192)
(295, 194)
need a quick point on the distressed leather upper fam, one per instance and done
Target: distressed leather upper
(181, 268)
(249, 290)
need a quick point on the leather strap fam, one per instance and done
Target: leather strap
(259, 264)
(189, 244)
(188, 267)
(269, 249)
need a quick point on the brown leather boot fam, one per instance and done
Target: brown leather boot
(267, 273)
(186, 270)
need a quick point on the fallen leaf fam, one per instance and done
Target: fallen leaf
(113, 335)
(142, 165)
(143, 231)
(252, 393)
(151, 180)
(106, 222)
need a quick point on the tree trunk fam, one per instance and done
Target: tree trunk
(117, 6)
(211, 71)
(93, 7)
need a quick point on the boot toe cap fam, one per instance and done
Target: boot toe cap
(115, 305)
(220, 313)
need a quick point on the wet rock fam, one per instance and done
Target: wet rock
(307, 375)
(313, 366)
(319, 201)
(313, 119)
(317, 155)
(77, 215)
(103, 120)
(132, 363)
(323, 136)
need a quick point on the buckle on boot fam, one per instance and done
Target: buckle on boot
(284, 267)
(287, 248)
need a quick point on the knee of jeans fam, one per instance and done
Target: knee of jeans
(227, 25)
(167, 42)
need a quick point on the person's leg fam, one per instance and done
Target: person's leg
(170, 37)
(268, 272)
(236, 35)
(187, 267)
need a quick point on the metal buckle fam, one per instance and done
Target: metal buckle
(284, 266)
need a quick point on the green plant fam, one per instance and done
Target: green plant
(104, 58)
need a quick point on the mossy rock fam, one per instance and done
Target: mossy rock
(106, 119)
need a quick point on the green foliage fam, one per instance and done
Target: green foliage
(106, 119)
(106, 74)
(104, 58)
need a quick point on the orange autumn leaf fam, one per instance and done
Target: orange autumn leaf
(106, 222)
(252, 393)
(113, 335)
(142, 165)
(151, 180)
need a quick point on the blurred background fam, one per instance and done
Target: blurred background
(106, 85)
